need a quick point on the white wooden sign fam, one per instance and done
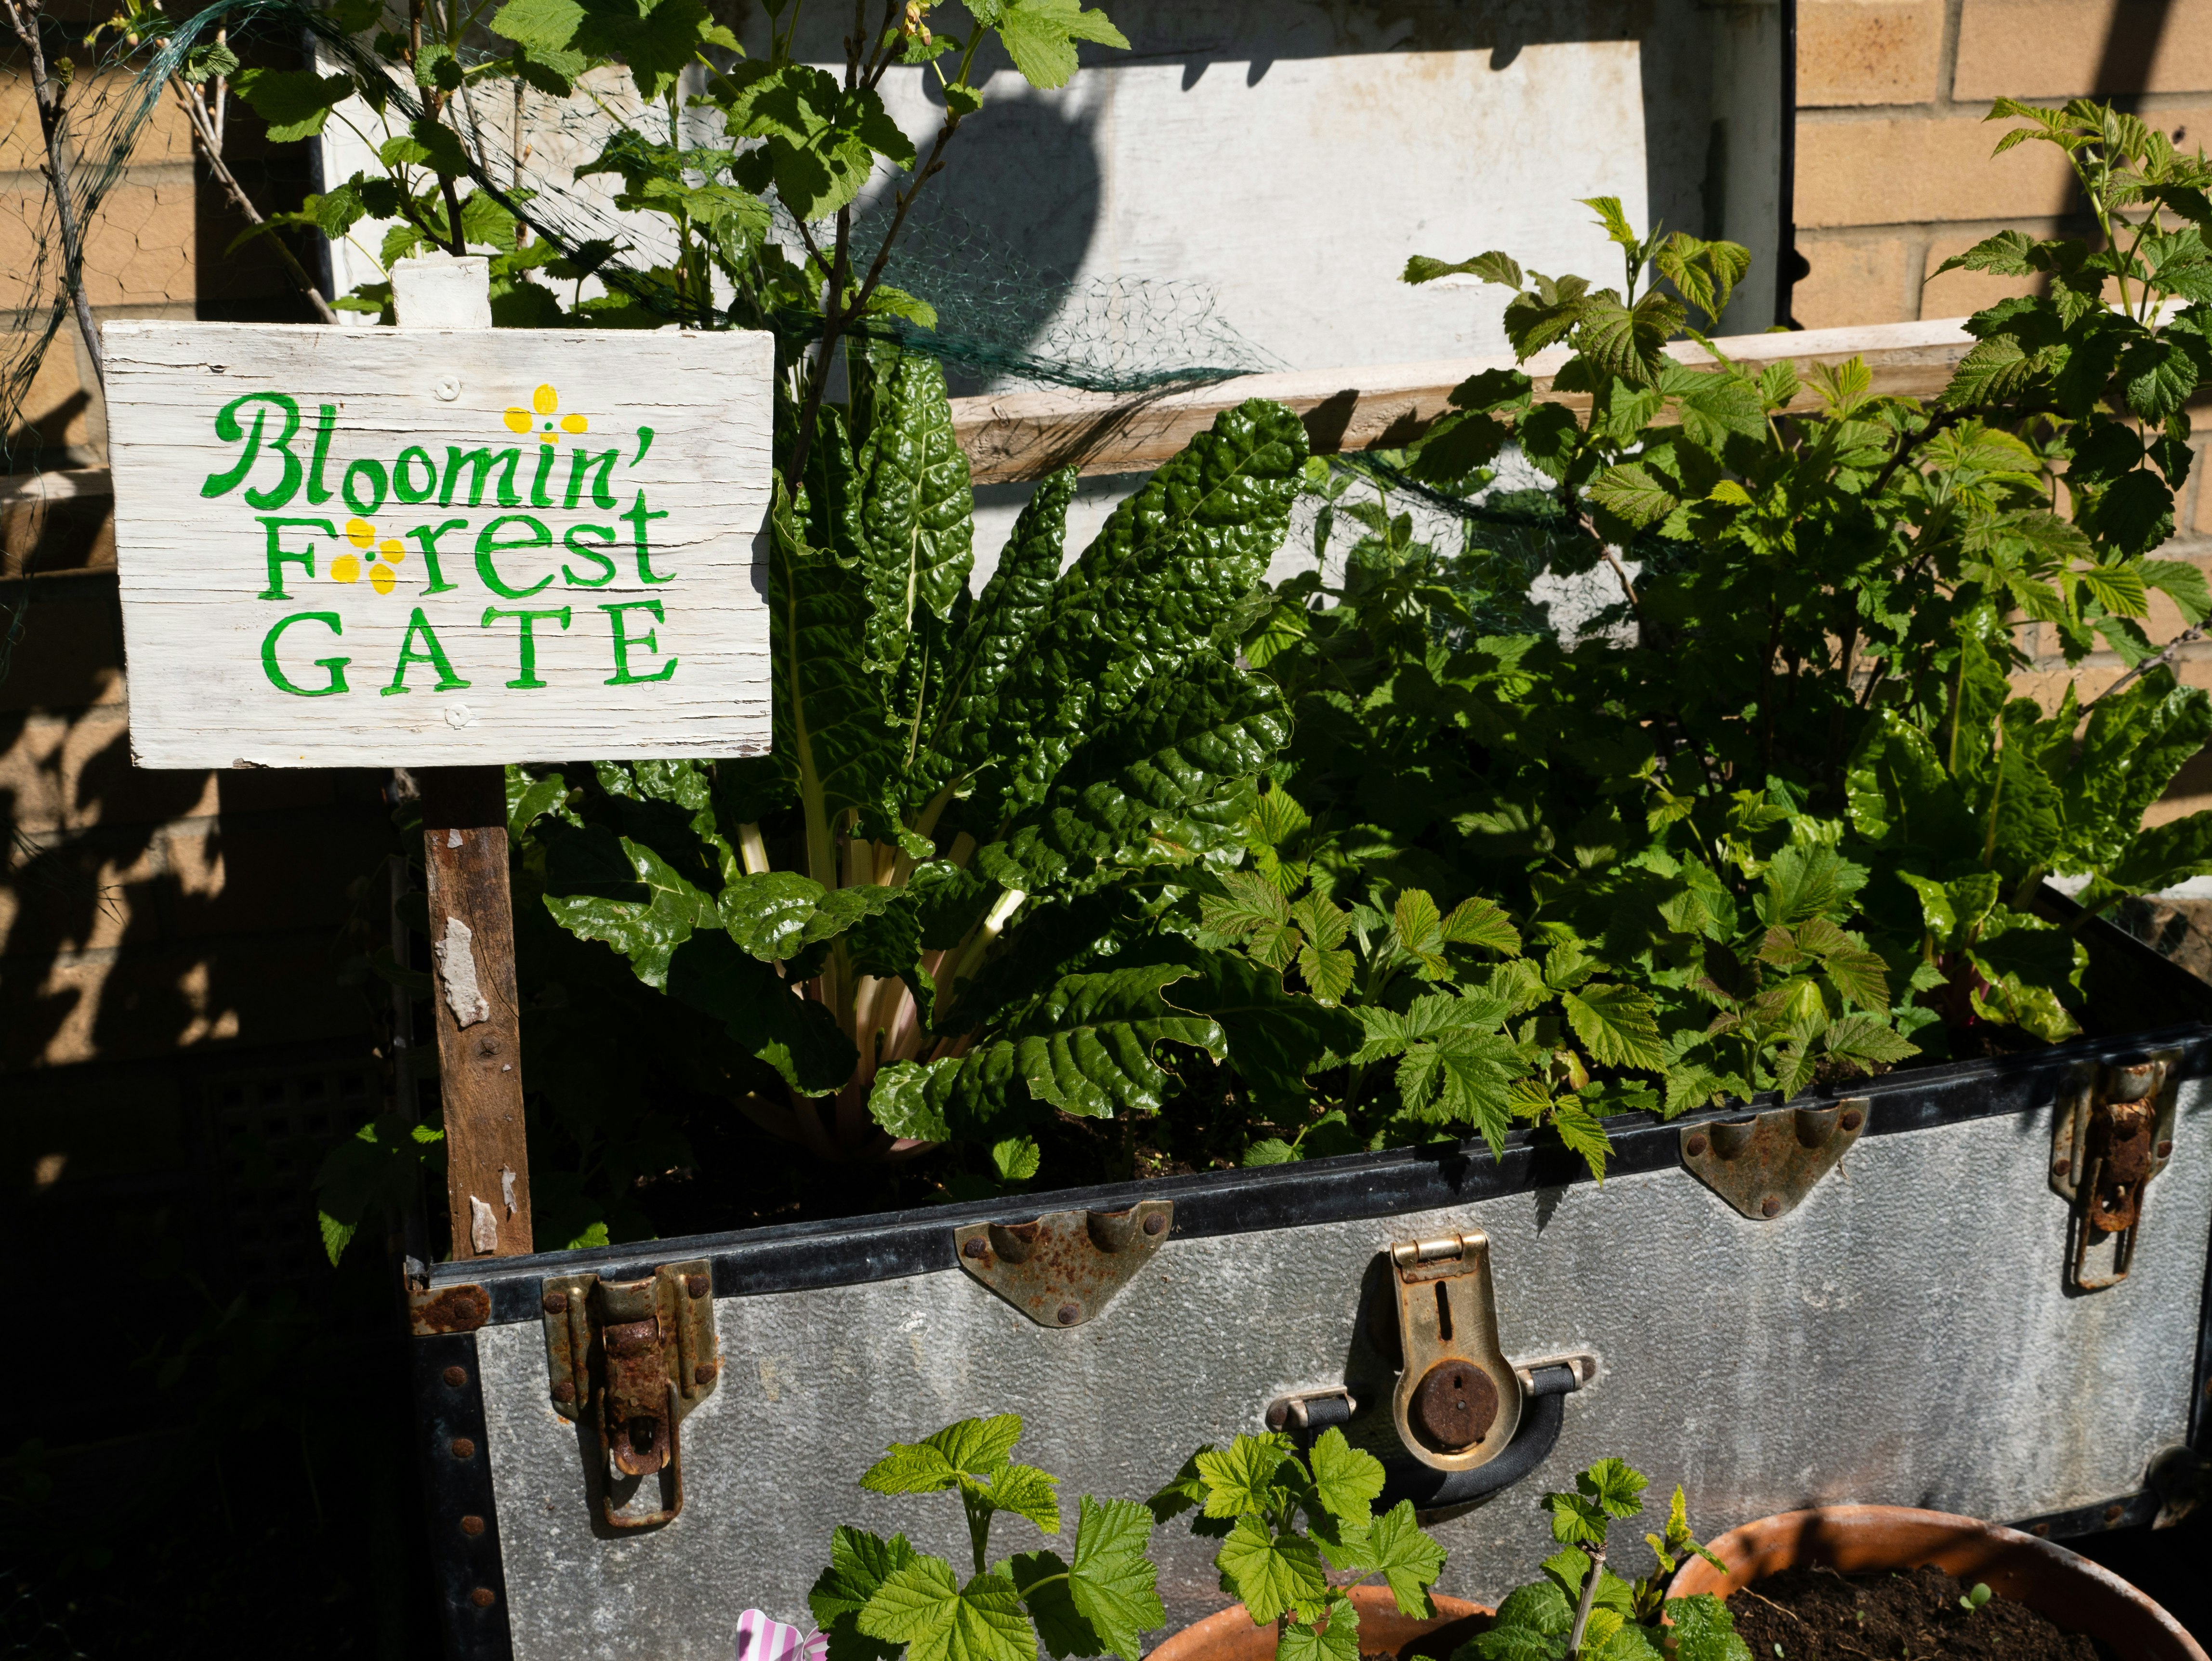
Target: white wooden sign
(432, 547)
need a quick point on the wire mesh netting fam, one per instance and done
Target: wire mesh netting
(162, 171)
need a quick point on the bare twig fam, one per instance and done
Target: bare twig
(23, 19)
(1590, 1597)
(210, 140)
(2186, 637)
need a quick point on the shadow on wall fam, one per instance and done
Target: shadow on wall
(145, 913)
(1039, 177)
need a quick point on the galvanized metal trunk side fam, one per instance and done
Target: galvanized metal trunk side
(1902, 1337)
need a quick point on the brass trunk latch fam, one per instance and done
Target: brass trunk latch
(1458, 1400)
(2114, 1133)
(630, 1359)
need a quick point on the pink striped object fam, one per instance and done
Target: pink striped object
(760, 1638)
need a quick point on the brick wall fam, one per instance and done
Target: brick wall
(1894, 170)
(1895, 175)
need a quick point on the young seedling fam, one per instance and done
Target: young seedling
(1974, 1599)
(880, 1596)
(1582, 1609)
(1251, 1498)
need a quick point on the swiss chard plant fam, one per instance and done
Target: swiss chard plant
(1580, 1607)
(1286, 1519)
(928, 915)
(880, 1598)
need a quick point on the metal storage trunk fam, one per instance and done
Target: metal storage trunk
(1902, 1295)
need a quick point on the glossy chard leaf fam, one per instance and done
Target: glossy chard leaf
(916, 519)
(1182, 742)
(1275, 1037)
(999, 631)
(797, 1036)
(2135, 741)
(1161, 577)
(1086, 1048)
(776, 915)
(623, 893)
(829, 716)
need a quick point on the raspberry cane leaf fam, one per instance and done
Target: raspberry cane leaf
(1346, 1480)
(1616, 1024)
(1042, 1579)
(1325, 967)
(1245, 1477)
(1336, 1637)
(925, 1607)
(1703, 1630)
(859, 1563)
(1407, 1559)
(1113, 1584)
(1268, 1573)
(1040, 36)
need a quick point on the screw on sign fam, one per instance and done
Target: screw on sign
(447, 548)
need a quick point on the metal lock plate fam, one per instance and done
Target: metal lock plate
(1065, 1267)
(1766, 1164)
(2113, 1132)
(1458, 1400)
(630, 1359)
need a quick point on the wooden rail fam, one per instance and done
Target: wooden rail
(1022, 435)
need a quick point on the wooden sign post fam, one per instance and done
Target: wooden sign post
(444, 547)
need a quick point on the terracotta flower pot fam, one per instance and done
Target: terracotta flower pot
(2070, 1590)
(1230, 1635)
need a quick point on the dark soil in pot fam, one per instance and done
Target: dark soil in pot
(1818, 1615)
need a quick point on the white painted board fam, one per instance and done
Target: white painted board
(429, 547)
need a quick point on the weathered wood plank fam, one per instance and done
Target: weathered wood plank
(473, 1002)
(434, 546)
(1021, 435)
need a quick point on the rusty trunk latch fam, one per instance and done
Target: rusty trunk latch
(630, 1359)
(2114, 1132)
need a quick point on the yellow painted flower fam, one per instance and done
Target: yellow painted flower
(543, 403)
(346, 568)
